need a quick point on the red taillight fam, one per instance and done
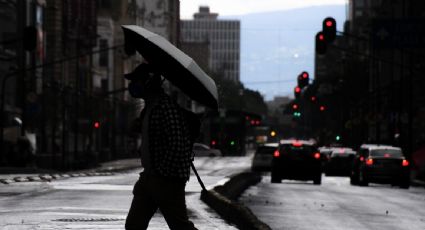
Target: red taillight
(369, 161)
(276, 153)
(387, 155)
(317, 155)
(405, 163)
(361, 158)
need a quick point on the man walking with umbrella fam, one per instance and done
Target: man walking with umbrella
(166, 155)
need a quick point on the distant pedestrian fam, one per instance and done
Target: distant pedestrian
(166, 155)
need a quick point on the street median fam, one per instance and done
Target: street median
(223, 199)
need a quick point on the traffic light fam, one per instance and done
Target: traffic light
(322, 108)
(320, 43)
(96, 124)
(329, 29)
(295, 108)
(30, 38)
(297, 92)
(338, 138)
(313, 98)
(303, 79)
(273, 133)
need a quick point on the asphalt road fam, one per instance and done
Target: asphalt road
(335, 204)
(102, 202)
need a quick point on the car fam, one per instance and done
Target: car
(263, 156)
(340, 161)
(19, 149)
(200, 150)
(297, 160)
(380, 164)
(325, 153)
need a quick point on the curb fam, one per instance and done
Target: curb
(223, 200)
(55, 176)
(418, 183)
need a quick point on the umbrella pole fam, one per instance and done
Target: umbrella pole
(197, 176)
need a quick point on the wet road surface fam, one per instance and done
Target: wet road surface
(336, 204)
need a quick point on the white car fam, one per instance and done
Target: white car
(263, 157)
(201, 150)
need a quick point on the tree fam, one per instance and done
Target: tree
(233, 95)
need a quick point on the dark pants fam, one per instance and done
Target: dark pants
(152, 192)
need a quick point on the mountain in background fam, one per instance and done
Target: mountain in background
(277, 46)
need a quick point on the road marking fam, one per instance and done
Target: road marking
(104, 187)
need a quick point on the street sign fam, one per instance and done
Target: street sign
(398, 33)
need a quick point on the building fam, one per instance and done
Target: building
(69, 90)
(383, 73)
(223, 37)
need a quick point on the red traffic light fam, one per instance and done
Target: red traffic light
(297, 89)
(96, 125)
(295, 106)
(313, 98)
(320, 43)
(322, 108)
(303, 79)
(329, 29)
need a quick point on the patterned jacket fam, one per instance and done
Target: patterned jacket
(169, 141)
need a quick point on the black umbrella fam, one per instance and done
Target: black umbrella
(174, 65)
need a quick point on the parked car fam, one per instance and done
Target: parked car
(263, 156)
(380, 164)
(19, 149)
(298, 160)
(203, 150)
(340, 161)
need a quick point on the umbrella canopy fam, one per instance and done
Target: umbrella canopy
(173, 64)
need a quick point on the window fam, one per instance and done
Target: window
(386, 152)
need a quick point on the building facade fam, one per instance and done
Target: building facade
(223, 37)
(381, 78)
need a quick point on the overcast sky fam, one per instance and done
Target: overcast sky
(238, 7)
(283, 56)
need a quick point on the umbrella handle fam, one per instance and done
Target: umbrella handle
(197, 176)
